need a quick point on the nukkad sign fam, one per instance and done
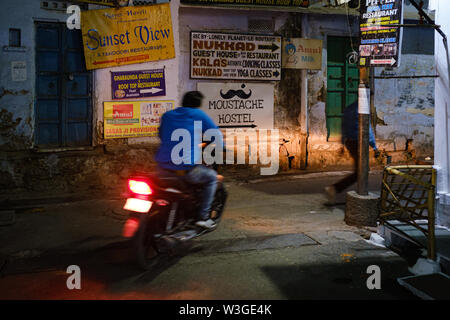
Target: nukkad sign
(127, 35)
(133, 118)
(301, 53)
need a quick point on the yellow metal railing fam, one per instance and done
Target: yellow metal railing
(408, 195)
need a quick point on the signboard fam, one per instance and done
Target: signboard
(271, 3)
(18, 71)
(239, 105)
(127, 35)
(380, 43)
(235, 56)
(301, 53)
(109, 3)
(138, 84)
(133, 118)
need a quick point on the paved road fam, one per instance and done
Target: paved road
(277, 241)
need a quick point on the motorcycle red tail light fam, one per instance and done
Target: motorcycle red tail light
(139, 187)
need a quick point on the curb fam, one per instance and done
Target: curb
(312, 175)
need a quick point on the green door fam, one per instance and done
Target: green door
(342, 83)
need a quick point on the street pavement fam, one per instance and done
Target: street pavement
(277, 240)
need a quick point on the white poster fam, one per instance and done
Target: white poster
(228, 56)
(19, 71)
(239, 105)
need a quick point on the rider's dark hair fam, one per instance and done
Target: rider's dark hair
(192, 99)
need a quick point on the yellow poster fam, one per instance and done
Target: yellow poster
(130, 119)
(301, 53)
(127, 35)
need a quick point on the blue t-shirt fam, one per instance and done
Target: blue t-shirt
(185, 147)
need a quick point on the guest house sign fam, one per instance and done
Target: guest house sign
(235, 56)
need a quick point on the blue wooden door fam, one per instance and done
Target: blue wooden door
(63, 88)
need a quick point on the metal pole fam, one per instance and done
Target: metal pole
(363, 135)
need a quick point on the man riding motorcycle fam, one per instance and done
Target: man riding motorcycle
(190, 169)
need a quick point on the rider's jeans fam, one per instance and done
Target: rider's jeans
(206, 177)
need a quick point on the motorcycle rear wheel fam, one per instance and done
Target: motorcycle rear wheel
(147, 252)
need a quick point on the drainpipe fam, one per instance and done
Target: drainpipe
(304, 129)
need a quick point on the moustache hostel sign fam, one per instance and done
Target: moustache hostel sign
(239, 105)
(127, 35)
(235, 56)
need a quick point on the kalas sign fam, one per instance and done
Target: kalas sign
(235, 56)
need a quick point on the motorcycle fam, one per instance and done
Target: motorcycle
(163, 213)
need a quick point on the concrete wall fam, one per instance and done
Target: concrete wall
(405, 107)
(103, 167)
(17, 98)
(109, 161)
(442, 120)
(287, 91)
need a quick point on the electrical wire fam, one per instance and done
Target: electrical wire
(351, 56)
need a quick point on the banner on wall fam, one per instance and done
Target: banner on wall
(239, 105)
(133, 118)
(301, 53)
(269, 3)
(113, 37)
(109, 3)
(380, 41)
(138, 84)
(235, 56)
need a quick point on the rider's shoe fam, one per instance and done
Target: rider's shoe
(207, 224)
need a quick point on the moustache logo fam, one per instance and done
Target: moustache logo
(233, 93)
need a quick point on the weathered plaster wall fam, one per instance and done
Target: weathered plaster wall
(104, 167)
(323, 153)
(102, 86)
(110, 161)
(442, 116)
(17, 98)
(287, 91)
(405, 107)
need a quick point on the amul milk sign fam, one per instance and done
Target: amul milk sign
(235, 56)
(239, 105)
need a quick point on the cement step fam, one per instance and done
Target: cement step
(428, 287)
